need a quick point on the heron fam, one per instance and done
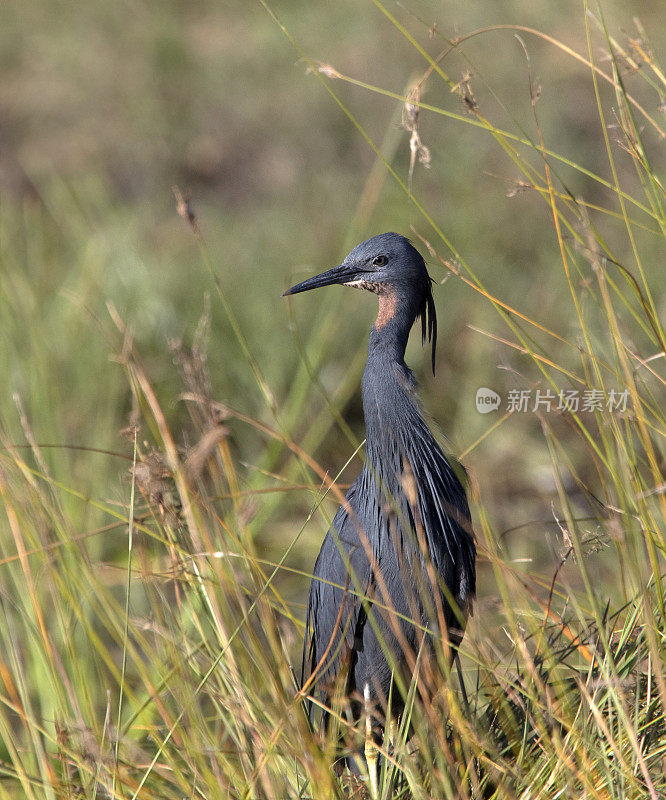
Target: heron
(395, 577)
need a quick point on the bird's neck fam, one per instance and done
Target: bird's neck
(387, 382)
(389, 334)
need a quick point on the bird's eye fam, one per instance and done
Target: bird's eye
(379, 261)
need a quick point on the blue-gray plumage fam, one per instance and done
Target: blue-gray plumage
(401, 547)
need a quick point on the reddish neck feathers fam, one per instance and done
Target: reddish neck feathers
(388, 305)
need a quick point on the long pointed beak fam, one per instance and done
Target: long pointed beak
(341, 274)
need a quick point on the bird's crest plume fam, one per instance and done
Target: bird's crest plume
(428, 315)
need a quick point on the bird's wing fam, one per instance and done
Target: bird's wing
(342, 577)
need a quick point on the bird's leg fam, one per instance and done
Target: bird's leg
(371, 755)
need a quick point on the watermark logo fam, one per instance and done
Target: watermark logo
(545, 400)
(487, 400)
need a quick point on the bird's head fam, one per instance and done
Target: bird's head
(390, 266)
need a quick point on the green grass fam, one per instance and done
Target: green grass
(176, 438)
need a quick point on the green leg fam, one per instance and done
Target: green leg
(371, 754)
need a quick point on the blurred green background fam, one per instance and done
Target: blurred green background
(106, 106)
